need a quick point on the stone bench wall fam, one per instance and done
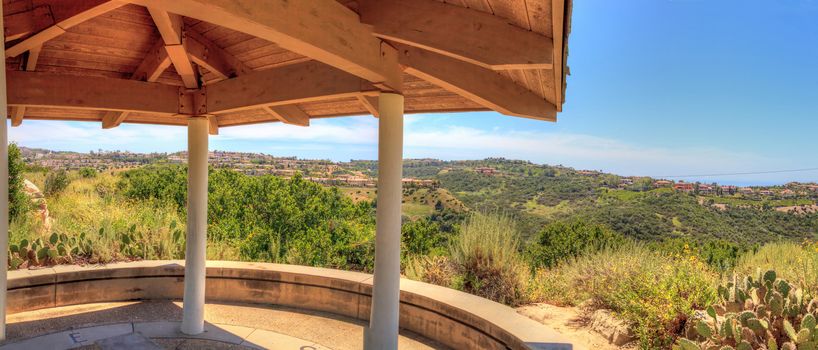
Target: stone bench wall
(456, 319)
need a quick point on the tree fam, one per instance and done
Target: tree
(19, 202)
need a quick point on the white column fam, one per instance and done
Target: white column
(196, 241)
(382, 333)
(4, 187)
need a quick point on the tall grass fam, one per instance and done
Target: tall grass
(654, 292)
(793, 262)
(483, 260)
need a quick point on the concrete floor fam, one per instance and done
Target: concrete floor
(275, 325)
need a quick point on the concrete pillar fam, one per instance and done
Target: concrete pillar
(196, 241)
(382, 333)
(4, 187)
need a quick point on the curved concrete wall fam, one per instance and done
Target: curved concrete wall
(459, 320)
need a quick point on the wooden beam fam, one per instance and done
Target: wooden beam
(155, 62)
(152, 66)
(71, 91)
(483, 86)
(213, 124)
(289, 114)
(67, 13)
(303, 82)
(112, 119)
(17, 113)
(170, 27)
(324, 30)
(207, 54)
(370, 103)
(558, 14)
(33, 57)
(466, 34)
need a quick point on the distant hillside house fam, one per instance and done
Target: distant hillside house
(706, 189)
(683, 187)
(813, 188)
(766, 193)
(728, 190)
(662, 183)
(485, 170)
(745, 190)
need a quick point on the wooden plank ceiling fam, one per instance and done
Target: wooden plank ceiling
(516, 48)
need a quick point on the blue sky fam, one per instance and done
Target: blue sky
(657, 87)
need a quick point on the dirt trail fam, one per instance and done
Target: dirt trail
(570, 322)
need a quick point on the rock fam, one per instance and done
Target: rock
(32, 190)
(41, 208)
(617, 332)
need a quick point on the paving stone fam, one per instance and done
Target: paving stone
(130, 341)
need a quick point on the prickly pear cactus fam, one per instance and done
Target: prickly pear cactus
(765, 312)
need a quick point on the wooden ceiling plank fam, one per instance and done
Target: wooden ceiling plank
(466, 34)
(45, 89)
(484, 86)
(207, 54)
(20, 24)
(303, 82)
(67, 13)
(324, 30)
(289, 114)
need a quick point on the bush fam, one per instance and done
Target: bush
(422, 237)
(486, 258)
(19, 203)
(88, 172)
(56, 182)
(654, 292)
(560, 241)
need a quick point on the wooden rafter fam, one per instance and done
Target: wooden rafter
(370, 103)
(67, 13)
(289, 114)
(473, 36)
(207, 54)
(17, 113)
(70, 91)
(481, 85)
(303, 82)
(170, 27)
(152, 66)
(324, 30)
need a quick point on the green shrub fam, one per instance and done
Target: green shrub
(422, 237)
(652, 291)
(764, 312)
(19, 203)
(56, 182)
(269, 218)
(719, 254)
(487, 260)
(560, 241)
(88, 172)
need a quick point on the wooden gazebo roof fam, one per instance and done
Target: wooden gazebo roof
(253, 61)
